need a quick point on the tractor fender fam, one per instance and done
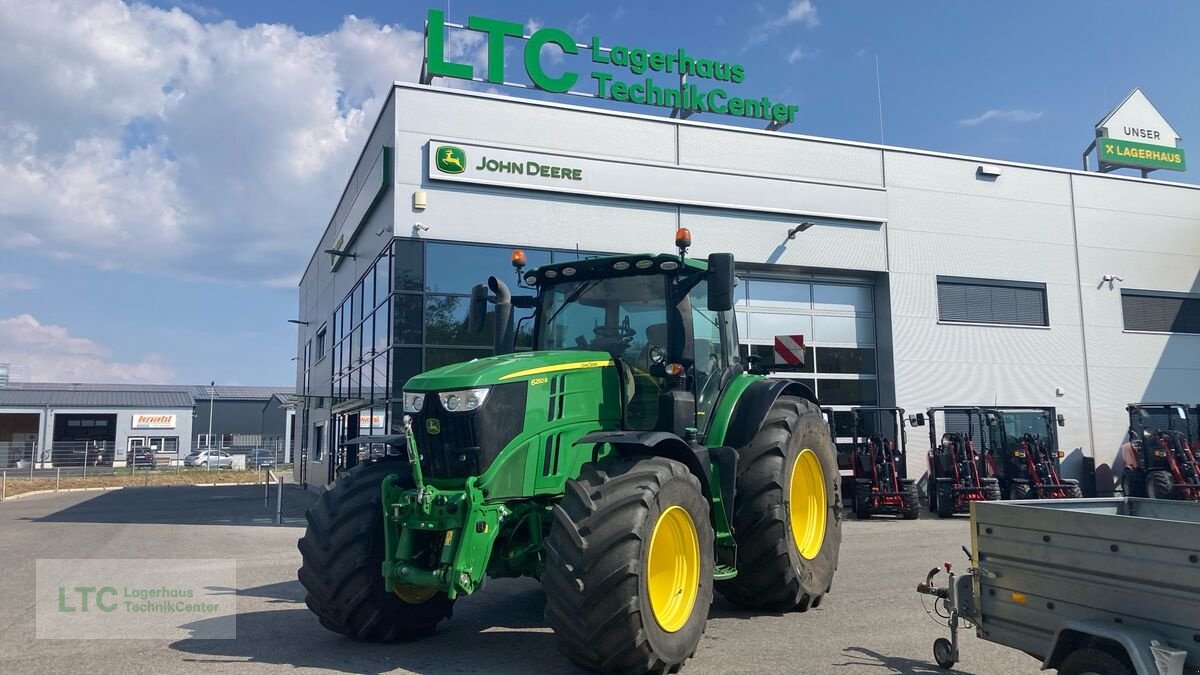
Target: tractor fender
(657, 444)
(1134, 643)
(754, 405)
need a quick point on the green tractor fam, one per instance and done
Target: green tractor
(629, 462)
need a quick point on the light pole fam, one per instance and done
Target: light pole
(212, 386)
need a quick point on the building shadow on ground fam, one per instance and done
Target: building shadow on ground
(187, 505)
(475, 639)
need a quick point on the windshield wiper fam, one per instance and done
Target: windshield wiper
(579, 290)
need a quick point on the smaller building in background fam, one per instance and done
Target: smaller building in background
(55, 424)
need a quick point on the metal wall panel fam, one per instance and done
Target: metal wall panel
(779, 154)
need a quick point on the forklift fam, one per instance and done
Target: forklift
(879, 462)
(1159, 457)
(957, 468)
(1023, 453)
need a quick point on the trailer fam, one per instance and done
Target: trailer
(1105, 586)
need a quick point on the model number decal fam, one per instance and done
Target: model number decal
(538, 380)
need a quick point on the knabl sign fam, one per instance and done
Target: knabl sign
(639, 62)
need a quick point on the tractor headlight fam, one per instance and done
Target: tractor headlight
(414, 401)
(463, 400)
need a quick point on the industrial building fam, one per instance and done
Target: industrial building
(99, 424)
(917, 278)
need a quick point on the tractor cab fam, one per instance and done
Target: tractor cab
(1023, 453)
(1159, 454)
(664, 321)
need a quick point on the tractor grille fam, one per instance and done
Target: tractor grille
(462, 444)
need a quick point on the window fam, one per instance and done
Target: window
(321, 343)
(1011, 303)
(1161, 312)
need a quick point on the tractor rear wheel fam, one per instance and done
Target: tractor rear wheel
(787, 513)
(342, 569)
(945, 497)
(912, 502)
(862, 499)
(629, 566)
(1160, 485)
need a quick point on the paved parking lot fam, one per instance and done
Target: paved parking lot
(872, 623)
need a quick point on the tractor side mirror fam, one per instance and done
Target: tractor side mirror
(1062, 421)
(991, 419)
(917, 420)
(477, 312)
(720, 282)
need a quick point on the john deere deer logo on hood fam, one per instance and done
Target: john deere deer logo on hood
(450, 159)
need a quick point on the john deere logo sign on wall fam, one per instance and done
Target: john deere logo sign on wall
(451, 159)
(1136, 135)
(684, 96)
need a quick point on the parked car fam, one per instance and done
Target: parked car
(260, 458)
(141, 457)
(213, 459)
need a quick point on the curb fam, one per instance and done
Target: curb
(116, 487)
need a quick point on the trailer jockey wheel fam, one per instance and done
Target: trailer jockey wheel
(943, 653)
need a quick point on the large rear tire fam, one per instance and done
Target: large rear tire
(787, 514)
(342, 553)
(629, 566)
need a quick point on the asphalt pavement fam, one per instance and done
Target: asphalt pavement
(872, 623)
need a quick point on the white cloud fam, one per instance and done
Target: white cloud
(619, 13)
(532, 26)
(11, 282)
(1018, 115)
(799, 54)
(218, 151)
(798, 12)
(48, 353)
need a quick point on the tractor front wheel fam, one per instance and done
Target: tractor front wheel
(946, 501)
(862, 499)
(629, 566)
(342, 569)
(1160, 485)
(787, 514)
(912, 503)
(1021, 489)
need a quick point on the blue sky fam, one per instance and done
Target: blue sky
(165, 173)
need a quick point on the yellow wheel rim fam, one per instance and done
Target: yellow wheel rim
(806, 504)
(414, 595)
(673, 566)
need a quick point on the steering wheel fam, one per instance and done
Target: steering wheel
(623, 332)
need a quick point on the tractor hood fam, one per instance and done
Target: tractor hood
(506, 368)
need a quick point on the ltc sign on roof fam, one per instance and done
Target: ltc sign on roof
(1136, 135)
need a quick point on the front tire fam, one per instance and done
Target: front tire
(1160, 485)
(946, 501)
(342, 569)
(912, 502)
(862, 499)
(787, 514)
(1021, 489)
(629, 566)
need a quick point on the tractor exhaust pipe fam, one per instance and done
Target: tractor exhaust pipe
(496, 292)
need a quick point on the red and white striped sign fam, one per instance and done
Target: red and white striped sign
(789, 350)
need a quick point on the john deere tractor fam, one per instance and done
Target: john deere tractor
(628, 461)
